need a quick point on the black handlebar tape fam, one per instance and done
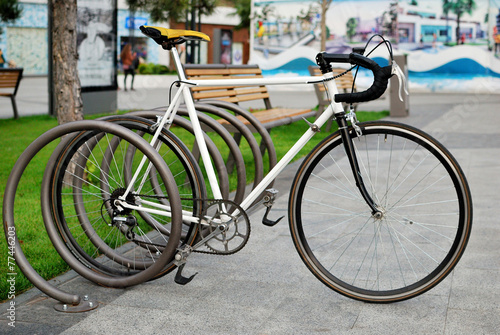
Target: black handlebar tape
(378, 87)
(381, 77)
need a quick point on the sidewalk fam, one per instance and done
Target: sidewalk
(266, 289)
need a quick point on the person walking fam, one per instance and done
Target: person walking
(127, 59)
(2, 59)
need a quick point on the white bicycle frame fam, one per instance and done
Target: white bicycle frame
(184, 92)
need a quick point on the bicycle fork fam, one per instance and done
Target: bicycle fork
(353, 161)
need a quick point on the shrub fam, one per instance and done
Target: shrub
(151, 68)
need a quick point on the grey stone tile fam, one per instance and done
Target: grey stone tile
(425, 314)
(475, 289)
(484, 322)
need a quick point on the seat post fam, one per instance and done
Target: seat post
(177, 62)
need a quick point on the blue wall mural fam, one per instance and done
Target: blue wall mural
(286, 36)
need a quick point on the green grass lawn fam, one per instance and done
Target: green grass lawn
(16, 135)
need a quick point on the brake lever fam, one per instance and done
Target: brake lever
(396, 70)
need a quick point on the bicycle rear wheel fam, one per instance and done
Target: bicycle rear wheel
(100, 176)
(420, 190)
(85, 177)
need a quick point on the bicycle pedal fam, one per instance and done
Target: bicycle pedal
(270, 223)
(268, 201)
(180, 279)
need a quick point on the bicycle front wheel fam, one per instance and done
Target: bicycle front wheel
(426, 213)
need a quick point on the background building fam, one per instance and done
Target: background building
(26, 41)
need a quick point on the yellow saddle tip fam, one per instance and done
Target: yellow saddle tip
(160, 34)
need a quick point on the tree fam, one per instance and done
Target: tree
(351, 25)
(325, 5)
(67, 89)
(390, 21)
(165, 10)
(244, 11)
(446, 11)
(10, 10)
(459, 7)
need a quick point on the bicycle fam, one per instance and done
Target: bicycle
(378, 211)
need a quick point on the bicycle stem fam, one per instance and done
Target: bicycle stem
(353, 161)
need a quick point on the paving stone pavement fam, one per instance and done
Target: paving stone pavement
(266, 289)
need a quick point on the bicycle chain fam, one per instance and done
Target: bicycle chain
(207, 203)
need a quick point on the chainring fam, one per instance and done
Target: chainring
(232, 239)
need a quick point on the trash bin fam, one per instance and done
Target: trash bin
(399, 108)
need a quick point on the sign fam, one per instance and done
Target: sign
(134, 22)
(96, 40)
(237, 53)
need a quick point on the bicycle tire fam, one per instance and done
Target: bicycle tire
(64, 184)
(422, 193)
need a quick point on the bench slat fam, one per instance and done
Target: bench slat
(233, 76)
(242, 98)
(228, 93)
(8, 84)
(10, 79)
(13, 74)
(238, 98)
(221, 72)
(213, 88)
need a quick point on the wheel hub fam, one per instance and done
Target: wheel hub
(379, 214)
(117, 193)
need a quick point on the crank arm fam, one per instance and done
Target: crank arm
(220, 229)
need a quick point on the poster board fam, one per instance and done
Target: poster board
(96, 41)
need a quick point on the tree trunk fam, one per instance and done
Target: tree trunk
(67, 89)
(324, 8)
(457, 31)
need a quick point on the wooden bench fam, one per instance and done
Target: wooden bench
(344, 85)
(270, 117)
(9, 83)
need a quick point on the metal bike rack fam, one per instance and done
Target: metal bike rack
(72, 302)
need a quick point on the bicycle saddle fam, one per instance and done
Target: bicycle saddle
(175, 36)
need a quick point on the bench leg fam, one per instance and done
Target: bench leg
(196, 152)
(14, 106)
(329, 125)
(263, 145)
(230, 158)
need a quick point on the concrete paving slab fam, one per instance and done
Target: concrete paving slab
(473, 287)
(404, 318)
(463, 322)
(266, 289)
